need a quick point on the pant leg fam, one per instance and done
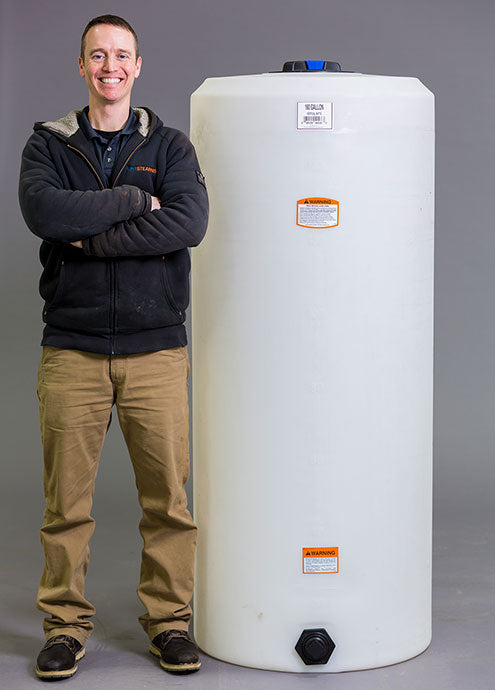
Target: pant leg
(152, 405)
(75, 396)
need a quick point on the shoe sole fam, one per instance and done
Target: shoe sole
(60, 675)
(177, 668)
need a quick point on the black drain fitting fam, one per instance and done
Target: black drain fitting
(315, 646)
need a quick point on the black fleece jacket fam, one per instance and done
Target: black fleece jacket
(127, 290)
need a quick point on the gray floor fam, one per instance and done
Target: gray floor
(461, 654)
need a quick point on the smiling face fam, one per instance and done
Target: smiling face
(110, 65)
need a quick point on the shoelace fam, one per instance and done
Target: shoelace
(62, 639)
(167, 635)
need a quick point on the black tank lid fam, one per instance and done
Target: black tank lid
(311, 66)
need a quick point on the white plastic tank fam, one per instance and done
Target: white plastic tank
(312, 345)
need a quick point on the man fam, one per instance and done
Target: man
(117, 198)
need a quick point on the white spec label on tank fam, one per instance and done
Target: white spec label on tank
(316, 115)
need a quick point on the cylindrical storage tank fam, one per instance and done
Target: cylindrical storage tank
(312, 360)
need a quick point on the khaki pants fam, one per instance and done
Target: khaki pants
(76, 392)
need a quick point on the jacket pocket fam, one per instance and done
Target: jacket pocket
(81, 299)
(51, 279)
(60, 284)
(143, 297)
(167, 289)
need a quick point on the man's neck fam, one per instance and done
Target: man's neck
(108, 118)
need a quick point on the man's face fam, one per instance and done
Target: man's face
(110, 64)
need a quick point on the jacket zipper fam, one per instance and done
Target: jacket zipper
(113, 263)
(127, 160)
(113, 267)
(89, 163)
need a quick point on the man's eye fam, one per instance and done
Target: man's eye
(123, 56)
(97, 57)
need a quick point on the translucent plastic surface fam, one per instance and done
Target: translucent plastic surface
(313, 369)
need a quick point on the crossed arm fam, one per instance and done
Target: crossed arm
(122, 221)
(155, 205)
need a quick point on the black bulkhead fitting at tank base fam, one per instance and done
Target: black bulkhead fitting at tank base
(315, 646)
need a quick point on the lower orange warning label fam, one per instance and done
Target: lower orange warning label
(320, 559)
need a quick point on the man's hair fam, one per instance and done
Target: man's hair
(114, 21)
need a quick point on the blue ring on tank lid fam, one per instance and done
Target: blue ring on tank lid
(311, 66)
(315, 64)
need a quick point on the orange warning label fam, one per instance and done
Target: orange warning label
(320, 559)
(317, 212)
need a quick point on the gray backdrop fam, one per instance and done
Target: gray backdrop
(447, 44)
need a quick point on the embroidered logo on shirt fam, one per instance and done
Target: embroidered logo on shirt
(140, 168)
(201, 178)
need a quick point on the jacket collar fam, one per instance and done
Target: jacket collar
(67, 126)
(130, 126)
(68, 130)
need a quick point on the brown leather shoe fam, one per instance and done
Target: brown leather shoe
(177, 652)
(57, 659)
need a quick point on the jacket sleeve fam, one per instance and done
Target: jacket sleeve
(180, 222)
(61, 215)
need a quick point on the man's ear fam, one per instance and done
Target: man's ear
(138, 66)
(81, 67)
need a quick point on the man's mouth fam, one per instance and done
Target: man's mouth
(110, 80)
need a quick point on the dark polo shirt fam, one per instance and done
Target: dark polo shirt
(107, 145)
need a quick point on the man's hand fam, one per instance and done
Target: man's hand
(77, 243)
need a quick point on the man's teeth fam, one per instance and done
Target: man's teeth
(110, 81)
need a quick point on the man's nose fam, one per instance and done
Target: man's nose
(109, 64)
